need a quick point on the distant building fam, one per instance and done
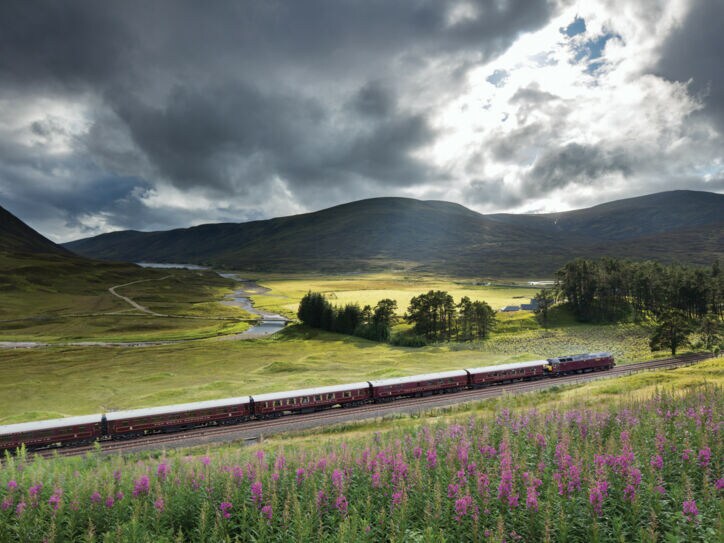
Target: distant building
(510, 308)
(532, 306)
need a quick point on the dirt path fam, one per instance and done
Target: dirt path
(133, 303)
(268, 324)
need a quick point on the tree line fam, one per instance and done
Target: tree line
(367, 322)
(678, 300)
(434, 316)
(611, 290)
(437, 317)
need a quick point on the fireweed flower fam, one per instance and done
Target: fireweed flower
(257, 492)
(431, 458)
(657, 462)
(12, 485)
(267, 512)
(596, 495)
(20, 508)
(462, 506)
(704, 457)
(162, 471)
(141, 485)
(96, 497)
(34, 490)
(159, 504)
(397, 498)
(110, 502)
(7, 503)
(321, 499)
(338, 479)
(690, 510)
(225, 507)
(720, 484)
(341, 504)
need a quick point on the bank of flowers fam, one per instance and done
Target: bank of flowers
(637, 470)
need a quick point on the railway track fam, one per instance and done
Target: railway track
(256, 429)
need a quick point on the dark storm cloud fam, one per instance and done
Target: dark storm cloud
(230, 95)
(694, 52)
(575, 164)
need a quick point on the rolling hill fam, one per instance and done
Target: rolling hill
(34, 271)
(435, 236)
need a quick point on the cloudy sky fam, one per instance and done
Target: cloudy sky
(155, 115)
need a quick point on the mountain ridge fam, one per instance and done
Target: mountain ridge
(436, 236)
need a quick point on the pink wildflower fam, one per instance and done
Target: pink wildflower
(431, 458)
(225, 507)
(657, 462)
(162, 471)
(690, 510)
(257, 494)
(267, 512)
(341, 504)
(159, 504)
(704, 457)
(141, 485)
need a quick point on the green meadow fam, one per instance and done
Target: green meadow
(62, 300)
(368, 289)
(61, 381)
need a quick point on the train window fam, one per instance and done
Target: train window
(277, 403)
(266, 404)
(317, 398)
(330, 396)
(347, 394)
(305, 399)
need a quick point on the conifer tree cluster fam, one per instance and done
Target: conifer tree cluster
(367, 322)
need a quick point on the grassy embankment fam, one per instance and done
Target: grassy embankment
(589, 463)
(62, 299)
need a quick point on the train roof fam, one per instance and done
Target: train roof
(511, 366)
(163, 409)
(270, 396)
(583, 356)
(416, 378)
(48, 424)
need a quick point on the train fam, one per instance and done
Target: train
(135, 423)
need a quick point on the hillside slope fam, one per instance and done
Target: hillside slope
(16, 237)
(402, 233)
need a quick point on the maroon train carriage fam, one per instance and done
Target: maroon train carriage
(48, 433)
(419, 385)
(171, 418)
(580, 363)
(501, 373)
(275, 404)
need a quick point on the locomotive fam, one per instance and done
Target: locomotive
(135, 423)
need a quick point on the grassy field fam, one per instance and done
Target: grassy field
(54, 382)
(59, 300)
(287, 290)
